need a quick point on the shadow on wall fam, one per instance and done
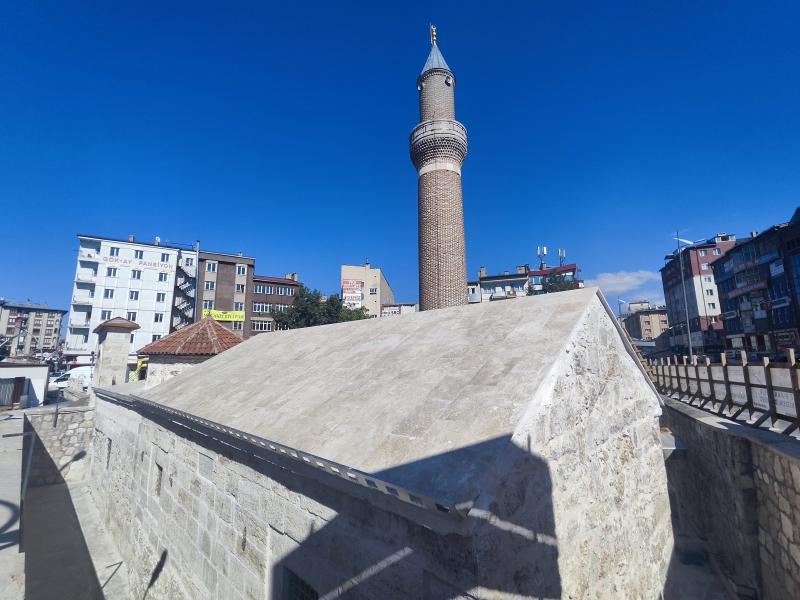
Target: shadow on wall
(57, 560)
(510, 547)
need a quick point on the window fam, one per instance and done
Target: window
(290, 291)
(208, 304)
(238, 325)
(47, 341)
(210, 285)
(712, 319)
(133, 295)
(113, 251)
(709, 292)
(49, 322)
(108, 293)
(164, 257)
(261, 307)
(261, 325)
(211, 267)
(238, 306)
(161, 296)
(138, 254)
(281, 291)
(37, 322)
(156, 337)
(162, 276)
(281, 307)
(717, 251)
(373, 291)
(158, 318)
(261, 288)
(241, 269)
(240, 288)
(48, 332)
(708, 279)
(111, 272)
(131, 338)
(136, 274)
(704, 266)
(105, 315)
(131, 315)
(712, 305)
(702, 253)
(189, 262)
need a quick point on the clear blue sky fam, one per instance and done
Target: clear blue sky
(282, 131)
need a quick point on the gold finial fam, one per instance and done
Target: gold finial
(433, 35)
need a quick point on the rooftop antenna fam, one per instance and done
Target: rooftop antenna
(541, 252)
(562, 256)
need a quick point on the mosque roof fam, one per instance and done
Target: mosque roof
(204, 338)
(435, 60)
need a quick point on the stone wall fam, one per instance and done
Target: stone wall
(738, 490)
(62, 443)
(161, 368)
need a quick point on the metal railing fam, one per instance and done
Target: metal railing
(762, 394)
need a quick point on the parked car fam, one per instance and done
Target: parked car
(83, 374)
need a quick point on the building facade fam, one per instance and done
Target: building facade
(29, 329)
(225, 288)
(438, 147)
(759, 289)
(365, 286)
(522, 282)
(151, 284)
(393, 310)
(697, 285)
(645, 322)
(270, 295)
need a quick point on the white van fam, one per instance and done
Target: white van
(82, 374)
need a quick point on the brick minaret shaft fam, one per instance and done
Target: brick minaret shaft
(438, 148)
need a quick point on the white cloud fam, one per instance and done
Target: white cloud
(624, 282)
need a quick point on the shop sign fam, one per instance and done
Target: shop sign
(224, 315)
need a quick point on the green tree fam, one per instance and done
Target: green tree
(308, 310)
(557, 282)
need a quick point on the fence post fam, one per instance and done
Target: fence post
(748, 403)
(723, 360)
(790, 358)
(772, 413)
(711, 391)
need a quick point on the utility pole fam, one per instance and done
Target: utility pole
(685, 302)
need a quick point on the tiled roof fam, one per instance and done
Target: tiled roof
(204, 338)
(272, 279)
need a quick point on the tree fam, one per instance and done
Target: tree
(557, 282)
(308, 310)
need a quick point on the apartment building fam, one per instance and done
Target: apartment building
(225, 283)
(151, 284)
(696, 284)
(759, 284)
(393, 310)
(270, 295)
(644, 321)
(29, 329)
(365, 286)
(523, 281)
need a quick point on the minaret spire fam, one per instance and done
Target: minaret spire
(438, 147)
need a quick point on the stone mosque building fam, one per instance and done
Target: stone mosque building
(392, 458)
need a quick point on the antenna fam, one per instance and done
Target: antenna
(541, 252)
(562, 256)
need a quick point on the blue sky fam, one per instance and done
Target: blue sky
(282, 131)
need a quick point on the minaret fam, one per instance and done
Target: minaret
(438, 147)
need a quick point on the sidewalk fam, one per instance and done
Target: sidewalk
(12, 561)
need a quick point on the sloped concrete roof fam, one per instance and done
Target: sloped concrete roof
(442, 389)
(206, 337)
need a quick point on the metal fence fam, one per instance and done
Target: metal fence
(762, 394)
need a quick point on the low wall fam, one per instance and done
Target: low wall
(739, 491)
(62, 443)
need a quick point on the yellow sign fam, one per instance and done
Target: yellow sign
(224, 315)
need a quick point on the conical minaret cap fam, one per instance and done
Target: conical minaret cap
(435, 61)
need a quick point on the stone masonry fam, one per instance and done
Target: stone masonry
(438, 147)
(739, 491)
(62, 443)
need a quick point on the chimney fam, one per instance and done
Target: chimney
(158, 241)
(753, 234)
(482, 272)
(131, 238)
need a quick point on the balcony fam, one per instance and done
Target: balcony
(79, 323)
(86, 276)
(84, 254)
(82, 299)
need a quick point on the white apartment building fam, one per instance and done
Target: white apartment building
(365, 286)
(150, 284)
